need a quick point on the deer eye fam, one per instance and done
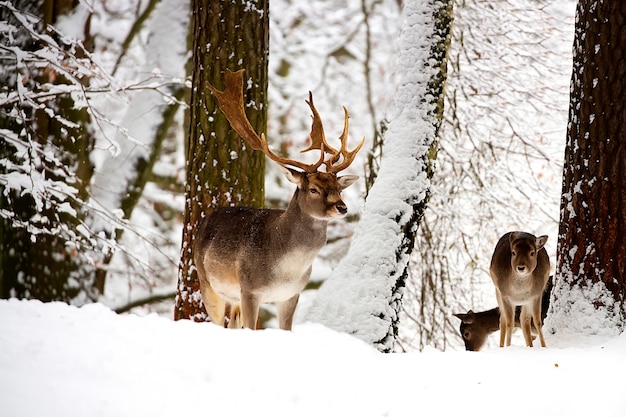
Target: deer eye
(532, 253)
(313, 191)
(513, 253)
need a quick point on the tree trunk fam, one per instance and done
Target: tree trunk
(221, 170)
(591, 253)
(364, 295)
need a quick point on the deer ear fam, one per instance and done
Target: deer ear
(347, 180)
(292, 175)
(541, 241)
(465, 318)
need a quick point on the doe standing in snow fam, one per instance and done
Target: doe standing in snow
(520, 268)
(245, 256)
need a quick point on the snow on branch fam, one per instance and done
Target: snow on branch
(54, 122)
(363, 296)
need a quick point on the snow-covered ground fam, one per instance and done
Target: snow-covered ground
(58, 360)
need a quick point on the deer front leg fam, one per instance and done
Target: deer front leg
(537, 320)
(524, 320)
(249, 309)
(286, 311)
(507, 320)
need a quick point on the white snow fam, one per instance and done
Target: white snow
(59, 360)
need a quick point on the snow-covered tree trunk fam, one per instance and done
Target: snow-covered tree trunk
(221, 170)
(363, 297)
(590, 286)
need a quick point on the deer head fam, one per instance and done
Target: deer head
(524, 249)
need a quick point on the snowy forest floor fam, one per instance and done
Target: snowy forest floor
(59, 360)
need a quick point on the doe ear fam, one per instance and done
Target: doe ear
(460, 316)
(292, 175)
(347, 180)
(467, 318)
(541, 241)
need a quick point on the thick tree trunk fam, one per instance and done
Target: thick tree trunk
(221, 171)
(591, 253)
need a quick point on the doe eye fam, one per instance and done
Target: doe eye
(313, 191)
(532, 253)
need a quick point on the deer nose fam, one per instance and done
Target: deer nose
(342, 209)
(521, 268)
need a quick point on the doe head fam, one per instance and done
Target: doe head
(524, 248)
(474, 336)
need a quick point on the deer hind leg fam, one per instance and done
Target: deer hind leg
(249, 310)
(214, 305)
(524, 320)
(286, 311)
(537, 320)
(234, 317)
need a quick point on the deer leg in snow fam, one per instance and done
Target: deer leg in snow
(286, 311)
(537, 320)
(234, 317)
(524, 320)
(507, 321)
(249, 310)
(214, 305)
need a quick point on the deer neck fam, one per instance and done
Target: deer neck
(300, 226)
(490, 319)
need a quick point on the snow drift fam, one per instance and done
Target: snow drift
(58, 360)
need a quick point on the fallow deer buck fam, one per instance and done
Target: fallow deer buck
(520, 268)
(245, 256)
(475, 327)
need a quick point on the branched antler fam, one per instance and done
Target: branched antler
(231, 103)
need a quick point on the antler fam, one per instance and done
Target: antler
(231, 103)
(318, 141)
(348, 156)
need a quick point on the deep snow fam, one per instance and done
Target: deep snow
(59, 360)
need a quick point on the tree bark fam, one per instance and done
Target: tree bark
(221, 170)
(591, 252)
